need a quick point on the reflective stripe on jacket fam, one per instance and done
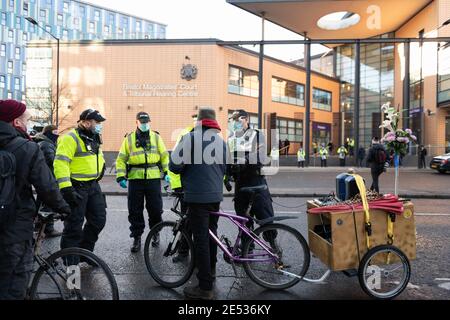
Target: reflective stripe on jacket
(142, 163)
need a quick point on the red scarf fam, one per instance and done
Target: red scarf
(210, 124)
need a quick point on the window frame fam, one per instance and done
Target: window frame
(314, 104)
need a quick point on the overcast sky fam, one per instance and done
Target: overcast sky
(209, 19)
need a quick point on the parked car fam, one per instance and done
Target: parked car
(441, 163)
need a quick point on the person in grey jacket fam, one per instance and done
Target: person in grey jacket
(200, 158)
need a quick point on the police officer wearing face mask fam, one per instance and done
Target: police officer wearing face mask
(141, 157)
(78, 166)
(248, 149)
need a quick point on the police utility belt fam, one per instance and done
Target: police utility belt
(142, 166)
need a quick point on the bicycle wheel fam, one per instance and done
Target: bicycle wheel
(384, 272)
(74, 274)
(291, 262)
(159, 259)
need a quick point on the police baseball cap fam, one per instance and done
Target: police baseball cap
(239, 113)
(143, 117)
(91, 114)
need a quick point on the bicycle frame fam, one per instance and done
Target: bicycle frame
(240, 223)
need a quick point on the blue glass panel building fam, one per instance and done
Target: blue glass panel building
(66, 20)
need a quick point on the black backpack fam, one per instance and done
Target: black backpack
(8, 183)
(380, 156)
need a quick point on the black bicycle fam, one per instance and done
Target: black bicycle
(68, 274)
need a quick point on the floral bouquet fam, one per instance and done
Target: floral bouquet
(395, 139)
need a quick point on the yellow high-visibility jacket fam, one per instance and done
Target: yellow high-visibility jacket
(74, 161)
(142, 163)
(175, 179)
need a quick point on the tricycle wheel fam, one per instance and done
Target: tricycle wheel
(384, 272)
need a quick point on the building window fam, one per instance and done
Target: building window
(242, 81)
(11, 3)
(25, 9)
(17, 55)
(321, 99)
(60, 19)
(290, 129)
(49, 2)
(97, 15)
(2, 82)
(24, 68)
(9, 95)
(111, 18)
(444, 73)
(3, 19)
(66, 6)
(288, 92)
(25, 37)
(16, 83)
(3, 50)
(48, 28)
(43, 13)
(82, 11)
(125, 21)
(106, 29)
(76, 22)
(91, 27)
(120, 32)
(138, 26)
(18, 22)
(65, 34)
(10, 67)
(11, 35)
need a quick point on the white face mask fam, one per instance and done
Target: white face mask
(144, 127)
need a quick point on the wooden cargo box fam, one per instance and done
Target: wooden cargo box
(340, 252)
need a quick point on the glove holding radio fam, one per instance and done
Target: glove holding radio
(122, 182)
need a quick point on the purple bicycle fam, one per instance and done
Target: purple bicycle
(275, 256)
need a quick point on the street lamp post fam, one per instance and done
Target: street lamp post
(34, 22)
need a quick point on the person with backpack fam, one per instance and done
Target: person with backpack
(47, 142)
(376, 158)
(22, 165)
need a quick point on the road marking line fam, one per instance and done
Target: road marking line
(442, 279)
(445, 286)
(421, 214)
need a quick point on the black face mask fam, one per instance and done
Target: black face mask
(51, 136)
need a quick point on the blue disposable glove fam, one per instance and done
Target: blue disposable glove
(167, 178)
(123, 183)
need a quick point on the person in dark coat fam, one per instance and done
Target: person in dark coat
(16, 254)
(422, 155)
(47, 142)
(376, 158)
(202, 176)
(361, 156)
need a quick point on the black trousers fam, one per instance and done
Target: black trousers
(205, 248)
(138, 192)
(375, 172)
(16, 265)
(423, 163)
(92, 208)
(323, 163)
(262, 208)
(342, 162)
(301, 163)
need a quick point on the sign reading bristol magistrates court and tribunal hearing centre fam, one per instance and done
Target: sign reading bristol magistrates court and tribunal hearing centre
(159, 90)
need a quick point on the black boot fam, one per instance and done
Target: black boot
(136, 245)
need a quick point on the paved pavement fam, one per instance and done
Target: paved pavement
(430, 271)
(291, 181)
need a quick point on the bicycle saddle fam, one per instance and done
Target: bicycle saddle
(253, 189)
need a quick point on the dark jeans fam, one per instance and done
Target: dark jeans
(16, 265)
(92, 208)
(301, 163)
(138, 191)
(360, 162)
(342, 162)
(323, 163)
(205, 248)
(375, 172)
